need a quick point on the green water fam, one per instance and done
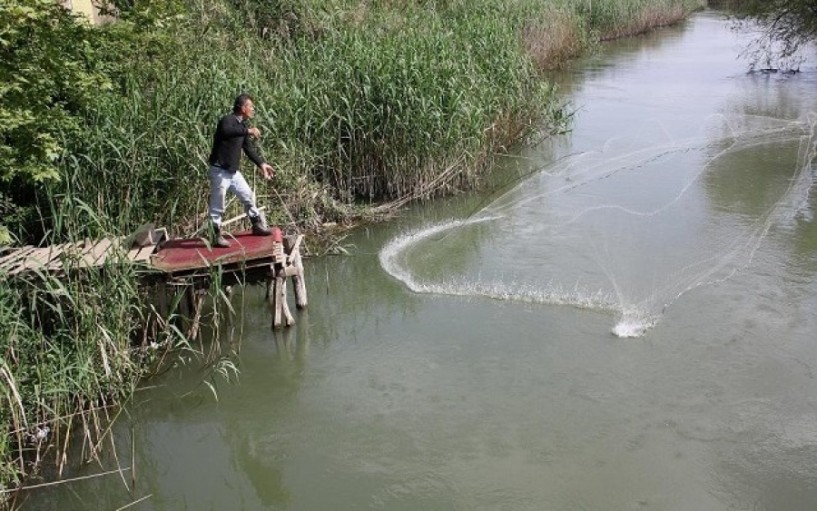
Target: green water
(627, 324)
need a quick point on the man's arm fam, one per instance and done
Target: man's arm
(249, 149)
(251, 153)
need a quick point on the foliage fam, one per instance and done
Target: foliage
(48, 78)
(786, 26)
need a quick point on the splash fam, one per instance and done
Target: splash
(633, 325)
(390, 255)
(565, 198)
(391, 259)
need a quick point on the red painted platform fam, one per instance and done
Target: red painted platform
(193, 254)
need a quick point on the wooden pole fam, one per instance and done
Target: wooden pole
(287, 316)
(198, 305)
(190, 300)
(276, 301)
(272, 294)
(287, 263)
(293, 248)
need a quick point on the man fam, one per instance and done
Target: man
(232, 136)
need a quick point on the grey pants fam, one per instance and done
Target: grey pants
(221, 182)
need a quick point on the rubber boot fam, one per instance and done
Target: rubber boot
(219, 241)
(259, 226)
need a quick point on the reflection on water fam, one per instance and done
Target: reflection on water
(685, 182)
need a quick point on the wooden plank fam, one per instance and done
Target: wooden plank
(12, 254)
(40, 258)
(98, 254)
(47, 258)
(88, 254)
(61, 251)
(10, 259)
(31, 260)
(101, 250)
(13, 265)
(84, 248)
(37, 258)
(144, 254)
(75, 251)
(133, 255)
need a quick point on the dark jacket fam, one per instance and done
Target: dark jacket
(230, 138)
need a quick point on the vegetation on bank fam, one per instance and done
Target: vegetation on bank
(358, 101)
(103, 129)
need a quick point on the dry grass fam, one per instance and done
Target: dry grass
(554, 39)
(649, 18)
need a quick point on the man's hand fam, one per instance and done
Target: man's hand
(254, 132)
(267, 170)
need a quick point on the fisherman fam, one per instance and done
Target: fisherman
(233, 134)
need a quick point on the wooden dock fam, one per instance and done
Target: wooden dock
(188, 264)
(84, 254)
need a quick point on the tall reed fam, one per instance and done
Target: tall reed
(66, 355)
(370, 109)
(74, 346)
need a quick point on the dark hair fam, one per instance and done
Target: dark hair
(240, 101)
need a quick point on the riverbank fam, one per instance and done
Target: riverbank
(358, 105)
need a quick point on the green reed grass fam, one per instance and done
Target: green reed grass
(358, 101)
(73, 347)
(366, 110)
(65, 347)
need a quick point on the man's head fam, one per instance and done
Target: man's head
(243, 106)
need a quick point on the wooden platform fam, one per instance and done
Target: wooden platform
(188, 263)
(182, 256)
(181, 263)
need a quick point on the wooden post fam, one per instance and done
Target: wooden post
(160, 312)
(299, 282)
(163, 307)
(293, 248)
(199, 303)
(278, 301)
(286, 263)
(190, 300)
(288, 319)
(275, 301)
(271, 294)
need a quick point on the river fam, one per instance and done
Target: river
(628, 323)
